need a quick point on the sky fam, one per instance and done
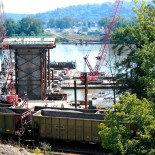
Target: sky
(39, 6)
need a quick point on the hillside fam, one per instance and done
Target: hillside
(91, 12)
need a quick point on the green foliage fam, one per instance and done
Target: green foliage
(61, 40)
(51, 23)
(131, 127)
(87, 12)
(135, 72)
(104, 22)
(11, 27)
(62, 23)
(122, 22)
(147, 58)
(30, 26)
(64, 18)
(26, 26)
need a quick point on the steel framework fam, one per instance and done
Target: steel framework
(2, 23)
(4, 46)
(27, 63)
(93, 75)
(32, 67)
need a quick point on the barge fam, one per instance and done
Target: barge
(62, 65)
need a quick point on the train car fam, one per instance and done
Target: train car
(14, 120)
(67, 125)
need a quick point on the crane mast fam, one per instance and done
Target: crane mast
(93, 74)
(8, 89)
(2, 23)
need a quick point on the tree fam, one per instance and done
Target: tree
(130, 128)
(139, 39)
(65, 22)
(11, 27)
(122, 22)
(104, 22)
(30, 26)
(51, 23)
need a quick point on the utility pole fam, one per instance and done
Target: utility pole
(86, 91)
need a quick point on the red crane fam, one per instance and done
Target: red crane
(93, 74)
(9, 95)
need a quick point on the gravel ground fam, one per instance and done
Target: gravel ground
(10, 150)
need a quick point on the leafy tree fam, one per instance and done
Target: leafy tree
(139, 38)
(30, 26)
(130, 128)
(68, 21)
(51, 23)
(122, 22)
(11, 27)
(104, 22)
(65, 22)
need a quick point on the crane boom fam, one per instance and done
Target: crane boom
(9, 92)
(2, 22)
(103, 50)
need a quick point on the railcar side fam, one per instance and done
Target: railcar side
(13, 121)
(67, 125)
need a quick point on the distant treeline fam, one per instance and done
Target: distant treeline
(84, 16)
(87, 12)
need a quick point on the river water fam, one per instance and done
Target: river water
(81, 93)
(76, 53)
(71, 52)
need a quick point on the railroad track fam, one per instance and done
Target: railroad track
(76, 148)
(57, 147)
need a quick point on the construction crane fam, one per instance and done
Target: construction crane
(2, 23)
(93, 74)
(8, 89)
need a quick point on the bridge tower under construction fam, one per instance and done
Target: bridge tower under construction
(30, 65)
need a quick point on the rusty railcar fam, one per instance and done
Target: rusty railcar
(14, 120)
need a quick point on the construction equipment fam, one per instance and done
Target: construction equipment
(8, 89)
(93, 74)
(2, 23)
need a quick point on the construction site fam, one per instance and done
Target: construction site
(24, 66)
(25, 63)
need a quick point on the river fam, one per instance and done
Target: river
(71, 52)
(76, 53)
(81, 93)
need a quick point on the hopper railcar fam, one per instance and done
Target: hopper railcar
(14, 121)
(67, 125)
(53, 124)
